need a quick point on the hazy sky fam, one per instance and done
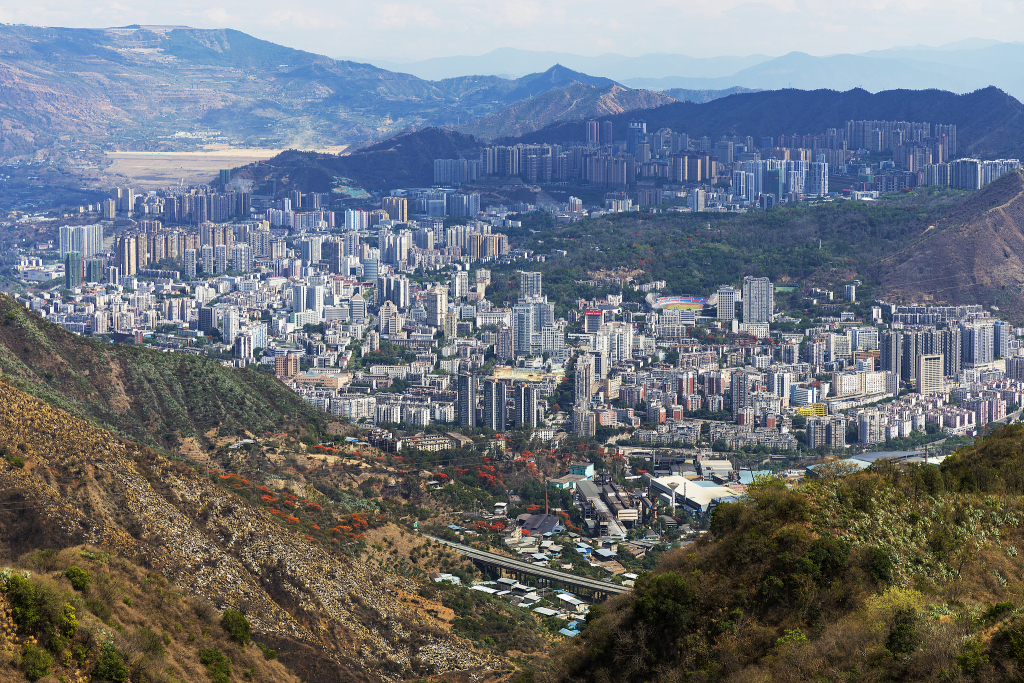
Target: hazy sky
(411, 31)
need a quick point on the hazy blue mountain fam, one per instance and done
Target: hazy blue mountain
(511, 62)
(963, 66)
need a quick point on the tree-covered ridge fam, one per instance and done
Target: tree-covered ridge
(154, 398)
(695, 253)
(895, 573)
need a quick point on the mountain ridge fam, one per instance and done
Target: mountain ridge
(576, 101)
(153, 85)
(962, 67)
(971, 256)
(989, 122)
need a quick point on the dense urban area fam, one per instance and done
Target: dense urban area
(380, 311)
(513, 393)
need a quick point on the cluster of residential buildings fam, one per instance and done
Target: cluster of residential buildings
(317, 301)
(644, 168)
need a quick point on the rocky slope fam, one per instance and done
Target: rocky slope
(65, 483)
(974, 254)
(573, 102)
(156, 86)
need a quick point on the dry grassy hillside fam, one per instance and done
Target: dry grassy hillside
(157, 632)
(64, 483)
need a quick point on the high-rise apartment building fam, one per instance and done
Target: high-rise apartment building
(397, 208)
(977, 344)
(891, 352)
(94, 270)
(816, 181)
(459, 284)
(241, 258)
(207, 319)
(758, 299)
(495, 405)
(522, 329)
(743, 386)
(436, 305)
(220, 258)
(72, 269)
(726, 303)
(127, 255)
(206, 257)
(829, 430)
(526, 405)
(929, 373)
(229, 326)
(87, 240)
(467, 385)
(530, 285)
(583, 384)
(190, 264)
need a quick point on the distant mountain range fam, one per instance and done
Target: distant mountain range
(141, 87)
(511, 62)
(989, 123)
(171, 88)
(958, 67)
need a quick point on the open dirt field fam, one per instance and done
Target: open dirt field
(153, 170)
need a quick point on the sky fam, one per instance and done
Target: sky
(400, 31)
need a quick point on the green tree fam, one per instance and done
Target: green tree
(236, 626)
(110, 666)
(36, 662)
(218, 666)
(79, 578)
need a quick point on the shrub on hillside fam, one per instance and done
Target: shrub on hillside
(218, 666)
(36, 662)
(236, 626)
(110, 666)
(79, 578)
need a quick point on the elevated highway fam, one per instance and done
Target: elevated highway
(545, 575)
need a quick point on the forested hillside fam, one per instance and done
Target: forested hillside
(695, 253)
(890, 574)
(158, 399)
(972, 255)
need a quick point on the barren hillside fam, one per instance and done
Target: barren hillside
(974, 254)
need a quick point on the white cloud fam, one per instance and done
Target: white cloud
(217, 15)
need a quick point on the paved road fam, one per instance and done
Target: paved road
(540, 572)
